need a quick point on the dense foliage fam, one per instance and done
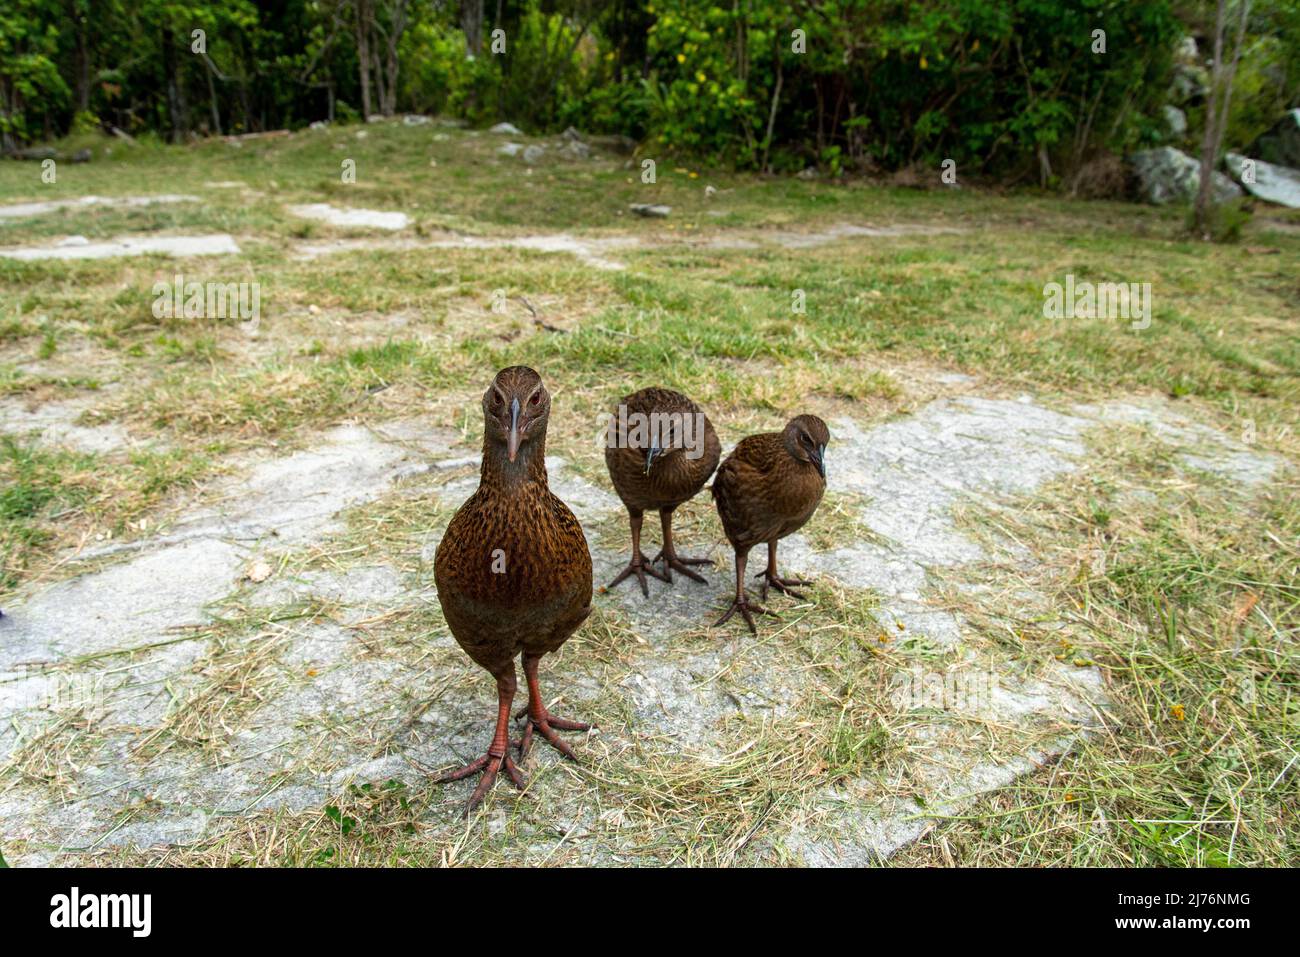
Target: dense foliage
(1017, 89)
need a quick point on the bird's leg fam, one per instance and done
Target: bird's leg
(498, 756)
(742, 603)
(669, 554)
(640, 566)
(784, 585)
(541, 719)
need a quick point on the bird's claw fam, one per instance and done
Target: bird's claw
(785, 586)
(489, 765)
(640, 566)
(546, 725)
(745, 607)
(681, 564)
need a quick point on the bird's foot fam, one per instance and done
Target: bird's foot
(640, 566)
(747, 611)
(675, 561)
(785, 586)
(489, 766)
(546, 724)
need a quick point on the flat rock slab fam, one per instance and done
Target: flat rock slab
(78, 247)
(351, 218)
(28, 210)
(57, 424)
(335, 705)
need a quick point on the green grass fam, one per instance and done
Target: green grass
(1190, 604)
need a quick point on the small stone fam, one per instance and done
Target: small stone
(259, 571)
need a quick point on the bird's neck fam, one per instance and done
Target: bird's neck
(528, 468)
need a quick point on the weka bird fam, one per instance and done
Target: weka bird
(662, 450)
(513, 571)
(768, 487)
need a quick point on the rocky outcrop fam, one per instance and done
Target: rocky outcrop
(1167, 175)
(1274, 184)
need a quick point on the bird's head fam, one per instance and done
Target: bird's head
(806, 438)
(668, 436)
(516, 407)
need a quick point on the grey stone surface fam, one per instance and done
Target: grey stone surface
(333, 707)
(1167, 175)
(78, 247)
(1175, 120)
(1274, 184)
(27, 210)
(56, 423)
(351, 218)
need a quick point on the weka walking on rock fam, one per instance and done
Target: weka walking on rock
(768, 487)
(662, 450)
(513, 570)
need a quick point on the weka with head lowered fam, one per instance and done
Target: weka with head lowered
(513, 571)
(662, 450)
(768, 487)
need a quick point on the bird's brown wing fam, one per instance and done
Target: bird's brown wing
(739, 489)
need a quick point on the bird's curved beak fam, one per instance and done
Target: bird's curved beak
(650, 457)
(512, 439)
(820, 460)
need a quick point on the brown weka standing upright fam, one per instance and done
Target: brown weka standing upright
(768, 487)
(513, 570)
(662, 451)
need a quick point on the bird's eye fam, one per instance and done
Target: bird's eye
(537, 397)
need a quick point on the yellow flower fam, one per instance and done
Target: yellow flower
(681, 58)
(699, 75)
(1179, 713)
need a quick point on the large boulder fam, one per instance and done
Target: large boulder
(1274, 184)
(1281, 144)
(1167, 175)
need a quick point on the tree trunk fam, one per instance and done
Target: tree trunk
(175, 93)
(363, 54)
(471, 22)
(83, 64)
(212, 99)
(1216, 113)
(396, 27)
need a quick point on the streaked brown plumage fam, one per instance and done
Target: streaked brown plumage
(513, 571)
(768, 487)
(658, 467)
